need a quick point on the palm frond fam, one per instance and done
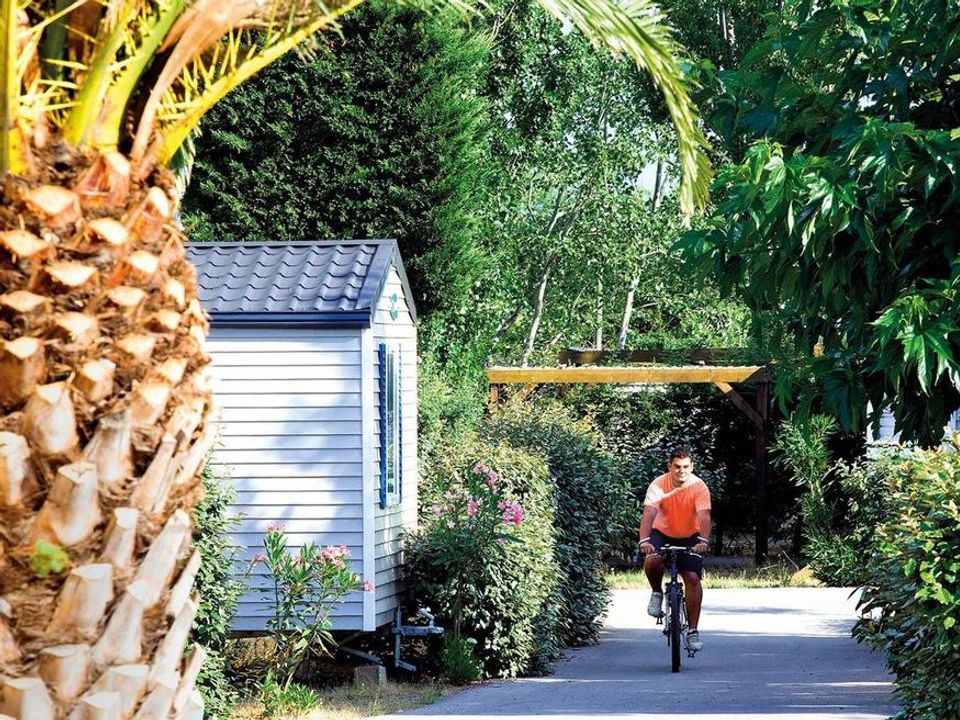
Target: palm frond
(638, 29)
(13, 148)
(152, 25)
(96, 54)
(204, 64)
(112, 32)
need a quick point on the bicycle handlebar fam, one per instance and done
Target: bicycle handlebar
(679, 549)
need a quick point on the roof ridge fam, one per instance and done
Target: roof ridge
(288, 243)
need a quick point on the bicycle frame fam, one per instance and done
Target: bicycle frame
(674, 628)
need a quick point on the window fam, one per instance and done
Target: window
(390, 426)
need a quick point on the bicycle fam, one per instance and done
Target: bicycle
(675, 620)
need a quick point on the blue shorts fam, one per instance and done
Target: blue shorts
(685, 563)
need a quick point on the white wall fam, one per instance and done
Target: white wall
(391, 522)
(291, 440)
(888, 436)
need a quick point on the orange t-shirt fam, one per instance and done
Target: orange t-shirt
(678, 507)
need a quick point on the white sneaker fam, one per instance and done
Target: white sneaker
(655, 606)
(694, 642)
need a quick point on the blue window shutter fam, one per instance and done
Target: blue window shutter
(399, 366)
(382, 364)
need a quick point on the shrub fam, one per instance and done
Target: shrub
(290, 700)
(459, 659)
(842, 503)
(219, 592)
(590, 493)
(303, 591)
(506, 602)
(912, 601)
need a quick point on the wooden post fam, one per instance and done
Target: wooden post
(494, 397)
(763, 397)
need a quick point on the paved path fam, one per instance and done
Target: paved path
(782, 654)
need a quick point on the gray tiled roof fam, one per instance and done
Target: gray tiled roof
(332, 281)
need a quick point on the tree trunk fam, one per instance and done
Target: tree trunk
(538, 312)
(627, 313)
(658, 186)
(103, 410)
(598, 338)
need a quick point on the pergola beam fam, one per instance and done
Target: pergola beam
(742, 404)
(626, 375)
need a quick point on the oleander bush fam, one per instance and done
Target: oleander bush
(483, 558)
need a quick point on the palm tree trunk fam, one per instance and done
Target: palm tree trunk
(103, 430)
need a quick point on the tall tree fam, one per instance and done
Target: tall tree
(380, 133)
(836, 224)
(102, 392)
(572, 223)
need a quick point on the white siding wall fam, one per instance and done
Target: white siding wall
(391, 522)
(889, 436)
(291, 440)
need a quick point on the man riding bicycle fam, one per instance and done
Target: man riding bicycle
(676, 511)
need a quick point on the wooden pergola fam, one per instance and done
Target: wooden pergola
(723, 377)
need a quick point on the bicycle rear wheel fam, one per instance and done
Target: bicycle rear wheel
(673, 600)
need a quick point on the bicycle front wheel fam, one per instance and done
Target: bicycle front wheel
(673, 600)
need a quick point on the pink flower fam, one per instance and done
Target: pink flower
(492, 478)
(501, 542)
(448, 495)
(335, 555)
(502, 505)
(479, 469)
(367, 586)
(259, 557)
(513, 513)
(275, 527)
(437, 510)
(472, 507)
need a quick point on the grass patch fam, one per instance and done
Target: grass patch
(350, 702)
(738, 576)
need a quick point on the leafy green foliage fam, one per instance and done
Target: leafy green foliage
(302, 589)
(457, 659)
(48, 559)
(912, 601)
(377, 135)
(286, 700)
(589, 493)
(842, 504)
(507, 602)
(219, 592)
(471, 525)
(836, 224)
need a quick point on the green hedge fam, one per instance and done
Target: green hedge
(912, 601)
(513, 613)
(219, 593)
(591, 495)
